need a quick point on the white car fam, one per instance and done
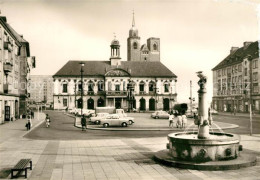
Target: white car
(99, 116)
(160, 114)
(85, 112)
(122, 114)
(114, 120)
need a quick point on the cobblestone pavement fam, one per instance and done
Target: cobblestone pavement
(119, 158)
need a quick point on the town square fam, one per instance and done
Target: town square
(129, 90)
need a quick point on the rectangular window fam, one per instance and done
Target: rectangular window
(255, 76)
(117, 87)
(64, 88)
(245, 71)
(255, 64)
(151, 87)
(228, 71)
(166, 87)
(80, 87)
(255, 88)
(100, 86)
(65, 102)
(141, 87)
(90, 87)
(239, 68)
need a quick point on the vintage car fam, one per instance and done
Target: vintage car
(85, 112)
(214, 112)
(97, 118)
(122, 114)
(114, 120)
(160, 114)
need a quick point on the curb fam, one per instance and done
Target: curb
(38, 124)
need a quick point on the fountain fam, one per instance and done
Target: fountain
(204, 150)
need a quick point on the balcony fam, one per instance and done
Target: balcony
(6, 88)
(8, 67)
(116, 93)
(90, 92)
(142, 92)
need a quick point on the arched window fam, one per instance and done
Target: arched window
(155, 47)
(135, 45)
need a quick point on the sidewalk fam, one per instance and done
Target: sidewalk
(121, 158)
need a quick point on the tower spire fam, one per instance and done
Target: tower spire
(133, 22)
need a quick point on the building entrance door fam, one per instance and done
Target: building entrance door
(7, 113)
(151, 104)
(166, 103)
(90, 103)
(118, 103)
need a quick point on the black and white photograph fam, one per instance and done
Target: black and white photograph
(129, 89)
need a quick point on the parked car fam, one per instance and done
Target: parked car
(86, 112)
(160, 114)
(96, 119)
(122, 114)
(190, 114)
(114, 120)
(214, 112)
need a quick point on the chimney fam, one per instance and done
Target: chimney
(246, 44)
(233, 49)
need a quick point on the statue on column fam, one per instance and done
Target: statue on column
(204, 119)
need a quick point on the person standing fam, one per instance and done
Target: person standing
(171, 120)
(179, 121)
(235, 110)
(184, 120)
(29, 123)
(83, 123)
(48, 120)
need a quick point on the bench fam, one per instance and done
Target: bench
(22, 165)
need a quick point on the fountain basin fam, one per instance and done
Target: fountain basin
(186, 146)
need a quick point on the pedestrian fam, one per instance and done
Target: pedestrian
(184, 120)
(171, 120)
(235, 110)
(48, 120)
(83, 123)
(29, 123)
(32, 114)
(179, 121)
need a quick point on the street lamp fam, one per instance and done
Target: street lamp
(130, 88)
(82, 89)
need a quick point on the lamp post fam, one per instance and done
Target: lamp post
(82, 89)
(130, 88)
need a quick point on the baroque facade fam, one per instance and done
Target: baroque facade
(15, 65)
(236, 80)
(106, 83)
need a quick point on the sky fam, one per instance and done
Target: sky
(195, 35)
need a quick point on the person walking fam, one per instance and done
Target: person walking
(32, 114)
(48, 120)
(171, 120)
(83, 123)
(29, 123)
(184, 120)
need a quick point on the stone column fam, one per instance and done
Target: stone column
(202, 121)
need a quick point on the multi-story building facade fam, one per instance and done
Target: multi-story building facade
(106, 83)
(236, 80)
(41, 89)
(15, 65)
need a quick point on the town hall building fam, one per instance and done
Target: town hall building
(142, 82)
